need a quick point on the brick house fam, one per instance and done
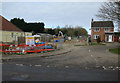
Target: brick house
(116, 36)
(102, 29)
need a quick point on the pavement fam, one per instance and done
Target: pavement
(63, 50)
(66, 47)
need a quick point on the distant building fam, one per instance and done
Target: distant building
(9, 32)
(48, 28)
(102, 29)
(116, 36)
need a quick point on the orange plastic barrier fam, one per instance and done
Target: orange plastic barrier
(23, 48)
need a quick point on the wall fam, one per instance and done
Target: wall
(101, 33)
(7, 35)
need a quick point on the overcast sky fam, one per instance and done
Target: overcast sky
(53, 13)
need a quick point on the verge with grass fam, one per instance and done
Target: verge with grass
(115, 50)
(80, 45)
(94, 43)
(91, 44)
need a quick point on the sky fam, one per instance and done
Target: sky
(53, 13)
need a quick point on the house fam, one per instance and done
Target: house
(102, 29)
(116, 36)
(9, 32)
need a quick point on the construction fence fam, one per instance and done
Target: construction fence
(9, 39)
(16, 44)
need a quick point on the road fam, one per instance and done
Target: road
(82, 63)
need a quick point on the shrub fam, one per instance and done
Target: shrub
(98, 40)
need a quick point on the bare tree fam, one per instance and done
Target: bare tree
(110, 11)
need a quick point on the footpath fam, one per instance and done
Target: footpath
(66, 47)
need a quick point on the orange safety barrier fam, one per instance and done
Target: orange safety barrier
(23, 48)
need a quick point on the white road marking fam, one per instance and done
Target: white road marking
(30, 65)
(91, 55)
(118, 67)
(48, 66)
(89, 50)
(113, 69)
(38, 65)
(66, 66)
(104, 67)
(97, 66)
(86, 68)
(106, 50)
(95, 59)
(19, 64)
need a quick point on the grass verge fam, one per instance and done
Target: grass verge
(96, 43)
(115, 50)
(91, 44)
(80, 45)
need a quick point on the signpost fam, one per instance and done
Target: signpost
(30, 40)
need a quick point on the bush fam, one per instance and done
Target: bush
(119, 40)
(98, 40)
(89, 39)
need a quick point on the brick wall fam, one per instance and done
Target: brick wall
(101, 34)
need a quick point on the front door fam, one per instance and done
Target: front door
(110, 39)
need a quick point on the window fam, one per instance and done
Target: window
(106, 29)
(96, 29)
(12, 34)
(21, 34)
(96, 36)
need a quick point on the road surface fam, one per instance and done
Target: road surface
(82, 63)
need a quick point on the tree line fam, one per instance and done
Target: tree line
(72, 31)
(28, 27)
(39, 28)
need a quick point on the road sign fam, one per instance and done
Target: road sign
(30, 40)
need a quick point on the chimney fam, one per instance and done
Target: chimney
(92, 20)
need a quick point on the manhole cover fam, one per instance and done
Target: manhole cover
(19, 76)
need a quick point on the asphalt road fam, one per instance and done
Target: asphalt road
(83, 63)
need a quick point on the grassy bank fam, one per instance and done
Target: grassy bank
(94, 43)
(91, 44)
(115, 50)
(80, 45)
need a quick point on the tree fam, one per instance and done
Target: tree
(76, 33)
(98, 39)
(20, 23)
(79, 31)
(28, 27)
(57, 30)
(36, 27)
(110, 10)
(72, 31)
(50, 31)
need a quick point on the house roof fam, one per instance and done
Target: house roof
(5, 25)
(102, 24)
